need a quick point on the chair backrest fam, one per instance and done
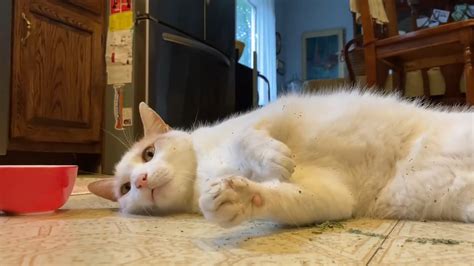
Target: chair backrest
(369, 26)
(354, 49)
(354, 58)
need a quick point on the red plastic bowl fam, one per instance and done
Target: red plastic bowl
(35, 188)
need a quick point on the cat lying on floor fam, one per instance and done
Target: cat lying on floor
(305, 159)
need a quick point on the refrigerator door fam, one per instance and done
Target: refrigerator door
(220, 14)
(188, 81)
(185, 15)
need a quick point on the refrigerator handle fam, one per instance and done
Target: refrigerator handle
(141, 17)
(196, 45)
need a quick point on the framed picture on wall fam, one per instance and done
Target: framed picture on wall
(322, 54)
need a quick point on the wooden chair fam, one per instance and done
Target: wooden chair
(354, 59)
(353, 53)
(449, 46)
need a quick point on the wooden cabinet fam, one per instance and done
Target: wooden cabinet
(58, 75)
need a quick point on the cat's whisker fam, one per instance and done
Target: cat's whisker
(188, 173)
(195, 119)
(131, 138)
(188, 178)
(191, 178)
(136, 137)
(127, 137)
(125, 132)
(146, 211)
(116, 137)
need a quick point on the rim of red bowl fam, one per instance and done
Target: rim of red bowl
(37, 166)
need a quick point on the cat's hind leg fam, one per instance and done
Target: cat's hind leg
(463, 205)
(318, 196)
(436, 192)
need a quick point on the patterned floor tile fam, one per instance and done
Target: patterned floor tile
(89, 230)
(430, 243)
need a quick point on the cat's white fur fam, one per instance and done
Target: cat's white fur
(305, 159)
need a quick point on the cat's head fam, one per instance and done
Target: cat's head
(156, 174)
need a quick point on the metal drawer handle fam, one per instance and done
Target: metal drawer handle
(28, 28)
(196, 45)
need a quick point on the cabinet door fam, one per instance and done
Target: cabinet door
(220, 25)
(58, 73)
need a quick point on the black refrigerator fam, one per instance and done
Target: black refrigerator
(184, 59)
(183, 66)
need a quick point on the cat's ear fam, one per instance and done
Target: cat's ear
(152, 122)
(103, 188)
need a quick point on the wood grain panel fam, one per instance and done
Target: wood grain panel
(59, 75)
(94, 6)
(62, 74)
(24, 145)
(432, 61)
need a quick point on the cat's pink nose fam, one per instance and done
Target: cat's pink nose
(141, 181)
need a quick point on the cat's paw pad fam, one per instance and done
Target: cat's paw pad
(229, 201)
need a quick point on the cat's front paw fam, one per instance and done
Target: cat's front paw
(230, 201)
(269, 158)
(275, 161)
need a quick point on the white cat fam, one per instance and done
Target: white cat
(305, 159)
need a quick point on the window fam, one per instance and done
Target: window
(245, 29)
(255, 26)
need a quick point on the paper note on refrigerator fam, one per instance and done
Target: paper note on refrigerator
(119, 42)
(121, 16)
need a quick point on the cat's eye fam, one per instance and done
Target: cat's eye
(125, 188)
(148, 154)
